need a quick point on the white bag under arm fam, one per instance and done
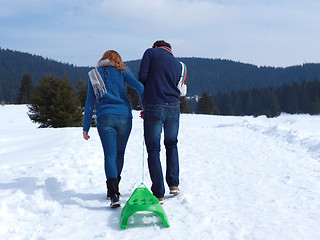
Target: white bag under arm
(182, 86)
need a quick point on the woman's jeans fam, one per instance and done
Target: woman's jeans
(156, 117)
(114, 132)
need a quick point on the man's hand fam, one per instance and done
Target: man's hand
(142, 114)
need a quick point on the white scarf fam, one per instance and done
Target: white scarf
(97, 82)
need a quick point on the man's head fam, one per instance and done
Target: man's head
(161, 43)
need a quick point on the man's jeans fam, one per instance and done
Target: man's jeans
(114, 132)
(156, 117)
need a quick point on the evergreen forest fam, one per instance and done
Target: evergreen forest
(290, 98)
(14, 65)
(211, 75)
(56, 92)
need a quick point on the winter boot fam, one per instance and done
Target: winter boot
(174, 190)
(108, 194)
(113, 189)
(161, 200)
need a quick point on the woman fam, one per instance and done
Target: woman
(114, 117)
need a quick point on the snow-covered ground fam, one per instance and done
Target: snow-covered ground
(241, 178)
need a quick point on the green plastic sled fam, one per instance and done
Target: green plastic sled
(142, 200)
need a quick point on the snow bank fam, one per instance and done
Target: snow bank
(241, 178)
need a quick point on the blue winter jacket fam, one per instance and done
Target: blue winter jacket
(160, 72)
(115, 101)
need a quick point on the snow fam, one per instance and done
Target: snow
(241, 178)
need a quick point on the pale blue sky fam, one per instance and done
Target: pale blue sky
(260, 32)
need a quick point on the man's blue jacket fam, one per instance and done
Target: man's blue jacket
(160, 73)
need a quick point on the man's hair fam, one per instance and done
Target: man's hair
(161, 43)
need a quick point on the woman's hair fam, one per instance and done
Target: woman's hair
(161, 43)
(115, 60)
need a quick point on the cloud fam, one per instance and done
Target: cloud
(274, 32)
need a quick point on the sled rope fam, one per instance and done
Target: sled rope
(142, 177)
(142, 200)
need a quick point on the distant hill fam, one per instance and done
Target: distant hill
(14, 64)
(216, 75)
(211, 75)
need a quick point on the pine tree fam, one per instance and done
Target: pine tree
(237, 103)
(293, 99)
(184, 106)
(25, 89)
(230, 110)
(273, 107)
(314, 108)
(304, 96)
(249, 103)
(133, 98)
(205, 104)
(225, 101)
(53, 104)
(314, 94)
(81, 93)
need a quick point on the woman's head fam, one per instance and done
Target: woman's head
(114, 59)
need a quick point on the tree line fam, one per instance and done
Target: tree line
(290, 98)
(14, 64)
(219, 75)
(210, 75)
(56, 103)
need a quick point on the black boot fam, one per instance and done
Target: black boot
(108, 194)
(112, 185)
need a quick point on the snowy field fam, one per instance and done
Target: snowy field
(241, 178)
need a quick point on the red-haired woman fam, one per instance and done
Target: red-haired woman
(107, 86)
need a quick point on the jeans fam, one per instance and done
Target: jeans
(156, 117)
(114, 133)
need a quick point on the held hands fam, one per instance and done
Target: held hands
(85, 135)
(142, 114)
(142, 111)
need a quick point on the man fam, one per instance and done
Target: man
(160, 73)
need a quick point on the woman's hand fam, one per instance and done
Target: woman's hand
(85, 135)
